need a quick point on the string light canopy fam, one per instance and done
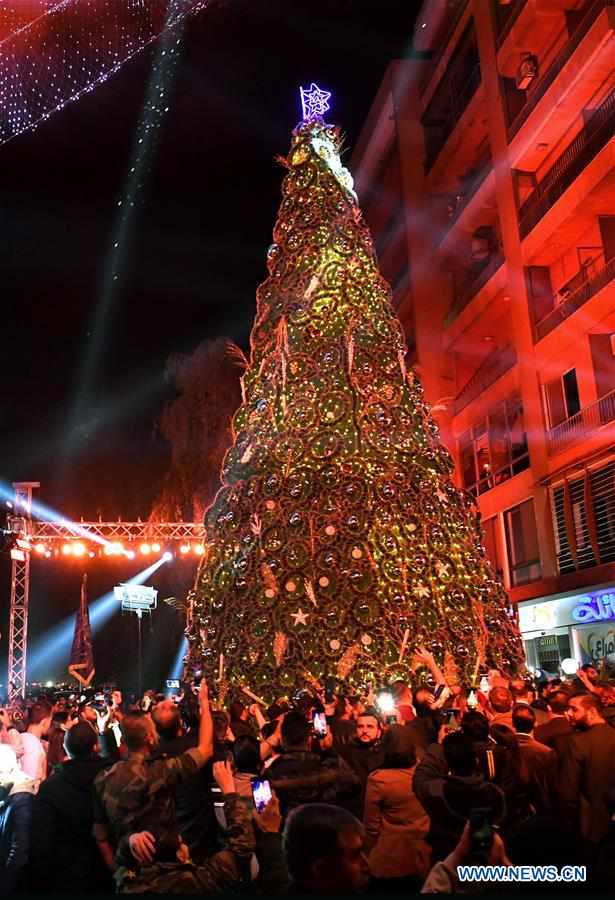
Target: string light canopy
(66, 49)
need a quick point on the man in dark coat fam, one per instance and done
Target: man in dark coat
(558, 725)
(64, 855)
(449, 786)
(299, 775)
(424, 728)
(364, 753)
(194, 804)
(588, 769)
(539, 761)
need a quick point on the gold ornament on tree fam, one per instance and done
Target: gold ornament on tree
(280, 645)
(348, 661)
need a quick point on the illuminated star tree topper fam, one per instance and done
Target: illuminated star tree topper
(314, 102)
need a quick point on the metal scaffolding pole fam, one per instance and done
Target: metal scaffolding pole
(20, 592)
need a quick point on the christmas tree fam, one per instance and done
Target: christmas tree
(338, 542)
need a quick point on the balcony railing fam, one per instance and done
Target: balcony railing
(462, 86)
(587, 144)
(577, 427)
(473, 286)
(558, 64)
(469, 188)
(442, 45)
(575, 300)
(493, 367)
(508, 16)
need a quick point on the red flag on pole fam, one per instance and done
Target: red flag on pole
(81, 665)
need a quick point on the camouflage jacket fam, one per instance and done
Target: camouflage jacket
(138, 794)
(224, 871)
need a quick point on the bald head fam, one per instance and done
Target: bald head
(167, 719)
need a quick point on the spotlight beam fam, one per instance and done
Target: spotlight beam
(42, 511)
(161, 80)
(178, 662)
(56, 642)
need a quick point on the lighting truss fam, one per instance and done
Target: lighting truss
(36, 530)
(161, 532)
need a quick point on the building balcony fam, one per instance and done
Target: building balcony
(496, 364)
(576, 157)
(443, 46)
(469, 290)
(468, 190)
(507, 15)
(575, 299)
(460, 87)
(558, 64)
(580, 426)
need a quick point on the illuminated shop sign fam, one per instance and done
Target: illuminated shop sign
(594, 608)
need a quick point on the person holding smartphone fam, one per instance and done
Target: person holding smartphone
(139, 792)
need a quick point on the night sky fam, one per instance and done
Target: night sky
(197, 250)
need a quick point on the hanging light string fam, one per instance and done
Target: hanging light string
(71, 49)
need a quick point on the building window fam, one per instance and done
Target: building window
(562, 398)
(522, 544)
(584, 520)
(490, 541)
(495, 449)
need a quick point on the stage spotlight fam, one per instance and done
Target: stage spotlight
(145, 549)
(78, 549)
(167, 556)
(185, 548)
(40, 548)
(156, 548)
(199, 549)
(66, 549)
(41, 511)
(131, 554)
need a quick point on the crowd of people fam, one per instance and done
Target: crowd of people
(322, 793)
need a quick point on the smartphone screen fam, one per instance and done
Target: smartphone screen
(481, 832)
(319, 721)
(261, 792)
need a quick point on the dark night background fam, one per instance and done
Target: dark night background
(198, 244)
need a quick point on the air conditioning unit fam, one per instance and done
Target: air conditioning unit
(527, 71)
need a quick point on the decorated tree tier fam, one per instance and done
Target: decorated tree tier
(337, 542)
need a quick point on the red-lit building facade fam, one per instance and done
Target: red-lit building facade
(486, 171)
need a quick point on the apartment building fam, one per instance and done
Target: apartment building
(486, 171)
